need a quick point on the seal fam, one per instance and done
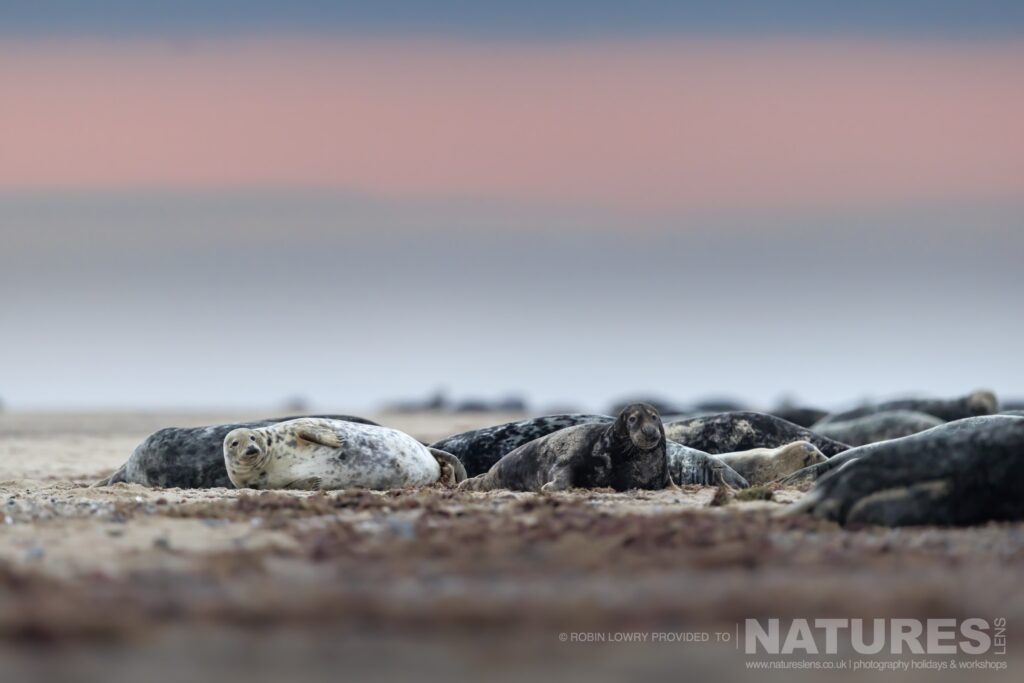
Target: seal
(629, 453)
(888, 424)
(319, 454)
(688, 466)
(934, 439)
(802, 416)
(981, 402)
(765, 465)
(479, 449)
(742, 431)
(965, 472)
(189, 457)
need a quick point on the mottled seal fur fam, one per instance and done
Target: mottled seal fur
(189, 457)
(479, 449)
(742, 431)
(889, 424)
(626, 454)
(764, 465)
(981, 402)
(689, 466)
(965, 472)
(319, 454)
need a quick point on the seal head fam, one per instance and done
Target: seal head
(635, 444)
(245, 453)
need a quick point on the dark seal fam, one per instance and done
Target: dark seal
(981, 402)
(799, 415)
(965, 472)
(627, 454)
(889, 424)
(190, 457)
(479, 449)
(744, 431)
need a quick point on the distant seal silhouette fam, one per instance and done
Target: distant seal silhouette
(981, 402)
(881, 426)
(764, 465)
(742, 431)
(688, 466)
(319, 454)
(964, 472)
(626, 454)
(189, 457)
(479, 449)
(801, 416)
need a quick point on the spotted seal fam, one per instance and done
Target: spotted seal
(626, 454)
(964, 472)
(981, 402)
(190, 457)
(319, 454)
(742, 431)
(764, 465)
(888, 424)
(479, 449)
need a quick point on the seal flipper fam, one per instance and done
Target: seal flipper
(481, 482)
(305, 484)
(448, 461)
(118, 476)
(561, 480)
(320, 435)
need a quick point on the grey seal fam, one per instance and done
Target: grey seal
(742, 431)
(964, 472)
(626, 454)
(319, 454)
(803, 416)
(888, 424)
(189, 457)
(688, 466)
(981, 402)
(765, 465)
(479, 449)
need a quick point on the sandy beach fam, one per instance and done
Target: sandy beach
(108, 582)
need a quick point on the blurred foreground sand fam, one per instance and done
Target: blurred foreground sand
(128, 583)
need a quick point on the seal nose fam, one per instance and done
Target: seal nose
(252, 450)
(650, 431)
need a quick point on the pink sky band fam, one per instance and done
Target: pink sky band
(626, 125)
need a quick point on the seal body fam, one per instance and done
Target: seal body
(888, 424)
(688, 466)
(981, 402)
(965, 472)
(189, 457)
(479, 449)
(311, 453)
(764, 465)
(626, 454)
(742, 431)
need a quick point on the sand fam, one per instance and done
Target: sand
(124, 582)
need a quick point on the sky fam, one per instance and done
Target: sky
(230, 204)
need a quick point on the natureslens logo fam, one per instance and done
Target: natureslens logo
(875, 636)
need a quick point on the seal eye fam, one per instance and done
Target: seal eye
(252, 438)
(632, 419)
(234, 443)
